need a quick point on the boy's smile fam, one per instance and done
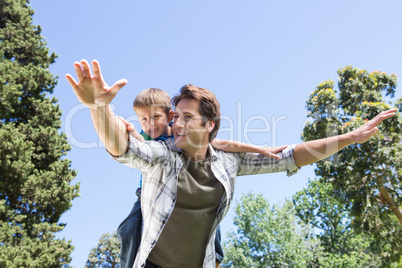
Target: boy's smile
(154, 121)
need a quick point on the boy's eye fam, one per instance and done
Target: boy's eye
(175, 116)
(187, 117)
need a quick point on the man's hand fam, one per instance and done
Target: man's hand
(369, 129)
(316, 150)
(91, 90)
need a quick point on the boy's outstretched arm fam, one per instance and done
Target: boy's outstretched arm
(313, 151)
(240, 147)
(93, 92)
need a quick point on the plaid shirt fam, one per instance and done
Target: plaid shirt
(160, 164)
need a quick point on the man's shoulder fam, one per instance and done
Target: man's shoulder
(171, 145)
(218, 155)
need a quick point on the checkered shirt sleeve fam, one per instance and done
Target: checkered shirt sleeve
(250, 163)
(144, 155)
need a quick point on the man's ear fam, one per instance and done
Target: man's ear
(170, 117)
(211, 125)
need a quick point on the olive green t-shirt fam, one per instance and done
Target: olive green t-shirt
(183, 241)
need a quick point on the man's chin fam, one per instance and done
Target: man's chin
(179, 143)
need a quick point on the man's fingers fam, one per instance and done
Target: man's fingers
(78, 71)
(373, 131)
(96, 69)
(118, 85)
(71, 81)
(382, 116)
(86, 68)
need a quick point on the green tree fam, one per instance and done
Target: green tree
(368, 176)
(318, 207)
(35, 177)
(107, 254)
(269, 237)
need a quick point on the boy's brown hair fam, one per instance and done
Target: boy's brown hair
(153, 98)
(209, 105)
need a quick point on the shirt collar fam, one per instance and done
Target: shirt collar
(212, 153)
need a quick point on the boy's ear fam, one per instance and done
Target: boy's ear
(211, 125)
(170, 117)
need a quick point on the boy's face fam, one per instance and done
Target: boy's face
(154, 121)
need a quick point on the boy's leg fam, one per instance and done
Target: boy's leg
(218, 247)
(129, 233)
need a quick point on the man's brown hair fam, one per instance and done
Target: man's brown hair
(209, 105)
(153, 98)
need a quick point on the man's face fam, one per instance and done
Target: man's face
(154, 121)
(188, 128)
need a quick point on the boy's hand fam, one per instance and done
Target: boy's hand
(91, 90)
(131, 129)
(272, 151)
(130, 126)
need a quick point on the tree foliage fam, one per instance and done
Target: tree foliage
(268, 237)
(366, 178)
(35, 177)
(106, 254)
(318, 207)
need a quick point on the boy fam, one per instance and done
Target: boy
(154, 111)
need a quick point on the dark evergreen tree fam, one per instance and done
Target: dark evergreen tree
(35, 177)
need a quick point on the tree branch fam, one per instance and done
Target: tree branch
(394, 207)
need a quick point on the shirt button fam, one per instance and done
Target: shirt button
(163, 222)
(143, 265)
(154, 242)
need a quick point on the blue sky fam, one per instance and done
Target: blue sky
(261, 58)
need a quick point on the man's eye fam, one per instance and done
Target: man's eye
(187, 117)
(175, 116)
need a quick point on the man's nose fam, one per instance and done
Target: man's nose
(178, 122)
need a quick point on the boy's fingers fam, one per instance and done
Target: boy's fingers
(124, 121)
(275, 156)
(280, 148)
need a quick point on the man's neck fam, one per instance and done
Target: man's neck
(197, 155)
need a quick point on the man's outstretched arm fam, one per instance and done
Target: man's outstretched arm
(93, 92)
(313, 151)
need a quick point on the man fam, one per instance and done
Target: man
(187, 185)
